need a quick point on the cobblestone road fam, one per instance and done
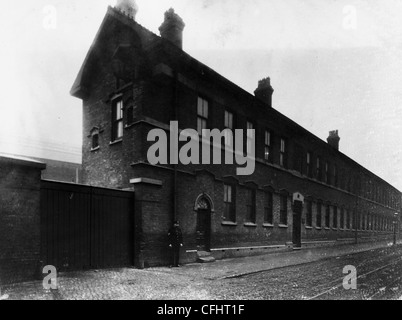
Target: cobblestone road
(290, 275)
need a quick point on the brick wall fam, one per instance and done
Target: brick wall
(19, 219)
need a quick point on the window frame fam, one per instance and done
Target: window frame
(251, 205)
(117, 119)
(229, 204)
(318, 218)
(309, 171)
(203, 113)
(318, 169)
(342, 218)
(283, 153)
(250, 136)
(267, 146)
(335, 218)
(227, 125)
(327, 221)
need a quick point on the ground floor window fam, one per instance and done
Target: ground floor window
(335, 218)
(229, 200)
(342, 219)
(319, 215)
(327, 216)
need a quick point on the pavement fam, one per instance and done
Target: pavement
(189, 282)
(230, 268)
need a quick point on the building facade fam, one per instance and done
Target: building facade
(134, 81)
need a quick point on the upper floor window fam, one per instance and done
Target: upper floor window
(327, 177)
(250, 137)
(229, 200)
(335, 175)
(251, 211)
(268, 210)
(308, 165)
(117, 120)
(282, 156)
(267, 150)
(202, 115)
(229, 125)
(318, 174)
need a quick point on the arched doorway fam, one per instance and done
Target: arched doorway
(203, 207)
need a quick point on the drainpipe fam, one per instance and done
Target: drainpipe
(175, 117)
(357, 206)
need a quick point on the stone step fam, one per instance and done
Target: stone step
(209, 259)
(205, 257)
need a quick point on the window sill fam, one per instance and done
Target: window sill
(250, 225)
(229, 223)
(308, 227)
(112, 143)
(268, 225)
(283, 226)
(326, 228)
(318, 228)
(95, 149)
(335, 229)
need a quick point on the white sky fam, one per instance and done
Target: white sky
(329, 71)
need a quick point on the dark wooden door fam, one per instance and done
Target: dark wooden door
(203, 229)
(297, 223)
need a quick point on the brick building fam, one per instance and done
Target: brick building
(133, 81)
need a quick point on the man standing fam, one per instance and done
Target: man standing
(175, 242)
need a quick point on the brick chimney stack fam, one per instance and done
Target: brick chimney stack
(129, 7)
(333, 139)
(172, 28)
(264, 91)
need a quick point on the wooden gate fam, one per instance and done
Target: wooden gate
(84, 227)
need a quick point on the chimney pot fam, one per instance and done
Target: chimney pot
(129, 7)
(264, 91)
(172, 28)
